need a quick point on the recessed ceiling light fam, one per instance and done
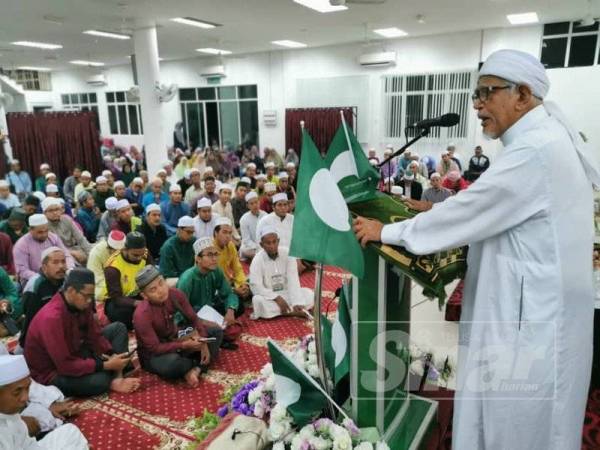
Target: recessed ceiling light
(80, 62)
(521, 19)
(37, 69)
(323, 6)
(213, 51)
(195, 22)
(288, 43)
(42, 45)
(107, 34)
(390, 32)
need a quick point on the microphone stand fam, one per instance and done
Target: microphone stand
(422, 133)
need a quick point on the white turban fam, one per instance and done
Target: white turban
(12, 368)
(523, 68)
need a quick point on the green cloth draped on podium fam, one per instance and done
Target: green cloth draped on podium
(295, 389)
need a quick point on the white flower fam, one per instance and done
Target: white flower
(259, 410)
(278, 430)
(278, 446)
(297, 441)
(361, 446)
(255, 394)
(312, 347)
(313, 370)
(278, 413)
(312, 359)
(307, 432)
(381, 446)
(416, 367)
(267, 370)
(270, 383)
(341, 438)
(319, 443)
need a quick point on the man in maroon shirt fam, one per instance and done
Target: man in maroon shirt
(160, 349)
(66, 347)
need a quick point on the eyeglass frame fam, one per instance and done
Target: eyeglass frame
(476, 95)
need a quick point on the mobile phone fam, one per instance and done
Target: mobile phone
(206, 339)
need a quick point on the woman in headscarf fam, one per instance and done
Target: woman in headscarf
(178, 136)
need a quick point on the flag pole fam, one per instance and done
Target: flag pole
(352, 160)
(318, 335)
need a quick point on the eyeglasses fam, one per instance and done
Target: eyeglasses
(211, 255)
(482, 93)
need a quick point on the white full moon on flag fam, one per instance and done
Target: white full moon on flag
(327, 201)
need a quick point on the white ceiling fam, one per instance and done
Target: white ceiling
(248, 25)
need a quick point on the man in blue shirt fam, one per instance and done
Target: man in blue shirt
(19, 180)
(173, 209)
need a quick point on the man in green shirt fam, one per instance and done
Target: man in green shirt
(177, 253)
(16, 224)
(205, 284)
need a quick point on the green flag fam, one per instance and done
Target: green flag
(295, 389)
(350, 168)
(328, 352)
(322, 229)
(340, 339)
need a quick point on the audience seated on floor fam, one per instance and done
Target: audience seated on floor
(15, 396)
(43, 286)
(250, 244)
(177, 253)
(162, 348)
(173, 209)
(205, 220)
(238, 203)
(99, 256)
(108, 218)
(88, 215)
(65, 229)
(206, 285)
(121, 295)
(28, 250)
(16, 224)
(275, 282)
(266, 202)
(153, 230)
(223, 208)
(229, 260)
(126, 221)
(66, 347)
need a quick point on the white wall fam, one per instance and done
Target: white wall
(330, 76)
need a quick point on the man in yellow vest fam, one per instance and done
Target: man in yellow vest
(122, 293)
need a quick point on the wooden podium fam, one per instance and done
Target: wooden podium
(379, 393)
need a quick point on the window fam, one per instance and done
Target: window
(124, 113)
(568, 44)
(221, 115)
(410, 98)
(87, 101)
(31, 80)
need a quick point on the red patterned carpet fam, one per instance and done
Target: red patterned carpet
(159, 415)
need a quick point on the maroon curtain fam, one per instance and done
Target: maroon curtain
(321, 123)
(61, 139)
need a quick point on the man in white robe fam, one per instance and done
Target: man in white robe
(525, 337)
(280, 219)
(14, 395)
(248, 222)
(274, 281)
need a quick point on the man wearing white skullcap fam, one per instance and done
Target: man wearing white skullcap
(125, 220)
(229, 260)
(134, 193)
(528, 304)
(248, 222)
(177, 253)
(108, 218)
(64, 227)
(266, 201)
(85, 184)
(7, 198)
(28, 249)
(100, 254)
(15, 383)
(205, 220)
(194, 190)
(274, 281)
(173, 210)
(223, 208)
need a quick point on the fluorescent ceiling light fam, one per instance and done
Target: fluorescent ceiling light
(38, 45)
(323, 6)
(107, 34)
(213, 51)
(390, 32)
(80, 62)
(288, 43)
(195, 22)
(37, 69)
(521, 19)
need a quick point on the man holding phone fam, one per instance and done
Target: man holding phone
(160, 348)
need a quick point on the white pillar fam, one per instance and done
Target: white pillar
(4, 129)
(148, 73)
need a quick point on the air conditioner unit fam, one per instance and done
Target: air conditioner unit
(213, 71)
(97, 80)
(378, 59)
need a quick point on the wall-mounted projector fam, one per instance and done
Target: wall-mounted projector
(377, 59)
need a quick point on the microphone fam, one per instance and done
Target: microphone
(446, 120)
